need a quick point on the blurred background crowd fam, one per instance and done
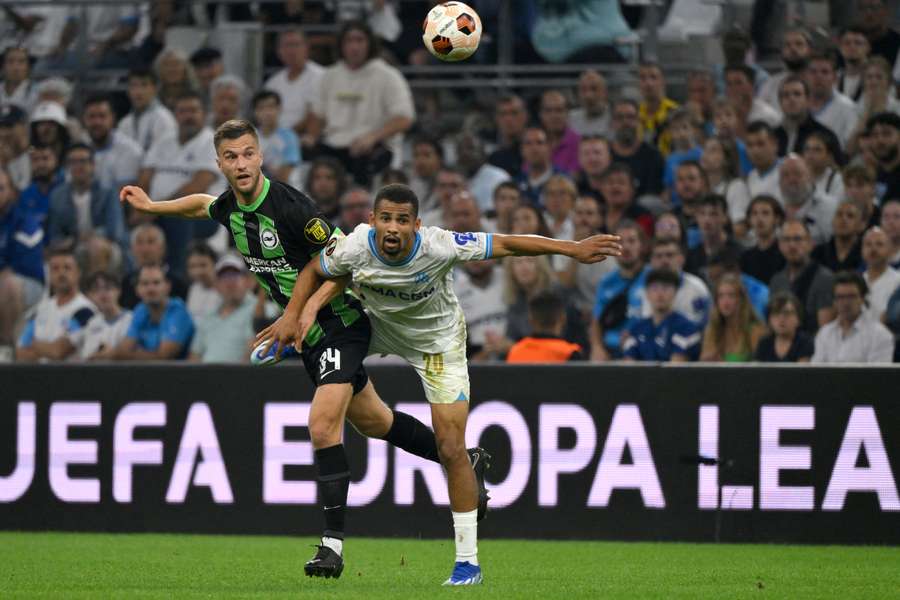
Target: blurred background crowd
(747, 153)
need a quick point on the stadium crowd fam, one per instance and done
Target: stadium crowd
(759, 214)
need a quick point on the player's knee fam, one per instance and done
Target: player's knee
(325, 431)
(451, 450)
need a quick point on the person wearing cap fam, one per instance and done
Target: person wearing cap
(149, 120)
(224, 335)
(14, 143)
(17, 87)
(49, 127)
(666, 335)
(59, 90)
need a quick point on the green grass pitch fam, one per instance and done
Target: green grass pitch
(69, 565)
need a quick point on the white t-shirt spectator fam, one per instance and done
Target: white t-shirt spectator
(280, 148)
(52, 321)
(483, 183)
(202, 301)
(737, 196)
(765, 183)
(44, 38)
(175, 164)
(483, 307)
(840, 116)
(354, 103)
(119, 162)
(155, 123)
(298, 95)
(23, 96)
(831, 183)
(867, 342)
(585, 125)
(880, 291)
(100, 334)
(103, 21)
(225, 339)
(763, 111)
(692, 300)
(817, 213)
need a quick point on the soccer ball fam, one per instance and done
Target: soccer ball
(451, 31)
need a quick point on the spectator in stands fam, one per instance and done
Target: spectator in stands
(592, 117)
(832, 109)
(875, 20)
(562, 139)
(117, 157)
(57, 317)
(228, 99)
(49, 127)
(684, 146)
(821, 156)
(527, 219)
(786, 342)
(559, 200)
(17, 87)
(843, 252)
(180, 165)
(356, 206)
(58, 90)
(580, 278)
(692, 298)
(479, 287)
(764, 259)
(463, 213)
(279, 145)
(852, 337)
(734, 329)
(161, 327)
(798, 121)
(593, 159)
(644, 160)
(737, 48)
(45, 177)
(721, 164)
(226, 332)
(881, 278)
(741, 91)
(878, 92)
(448, 183)
(730, 131)
(655, 107)
(854, 48)
(712, 220)
(510, 118)
(805, 278)
(326, 181)
(525, 278)
(148, 121)
(798, 193)
(796, 46)
(483, 178)
(728, 261)
(176, 77)
(762, 150)
(617, 302)
(14, 144)
(506, 198)
(859, 186)
(82, 207)
(208, 66)
(298, 83)
(545, 344)
(618, 191)
(21, 263)
(666, 335)
(691, 186)
(668, 225)
(885, 130)
(892, 321)
(108, 30)
(98, 339)
(701, 94)
(427, 160)
(203, 296)
(148, 248)
(890, 222)
(364, 104)
(537, 167)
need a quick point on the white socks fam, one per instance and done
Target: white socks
(465, 524)
(335, 544)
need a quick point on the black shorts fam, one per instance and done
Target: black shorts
(338, 356)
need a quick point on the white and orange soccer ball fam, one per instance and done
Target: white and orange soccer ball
(452, 31)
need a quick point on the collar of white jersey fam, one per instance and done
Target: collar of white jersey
(374, 250)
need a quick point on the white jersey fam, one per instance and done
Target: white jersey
(100, 334)
(410, 302)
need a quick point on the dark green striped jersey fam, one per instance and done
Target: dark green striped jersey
(277, 235)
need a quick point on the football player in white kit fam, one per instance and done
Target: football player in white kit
(402, 273)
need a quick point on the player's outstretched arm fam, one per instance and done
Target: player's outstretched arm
(289, 329)
(192, 206)
(589, 250)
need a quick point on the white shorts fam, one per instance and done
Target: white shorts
(445, 376)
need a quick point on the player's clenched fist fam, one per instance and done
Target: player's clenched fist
(596, 248)
(136, 197)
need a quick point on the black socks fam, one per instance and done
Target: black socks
(410, 434)
(333, 483)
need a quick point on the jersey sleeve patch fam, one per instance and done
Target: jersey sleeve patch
(316, 231)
